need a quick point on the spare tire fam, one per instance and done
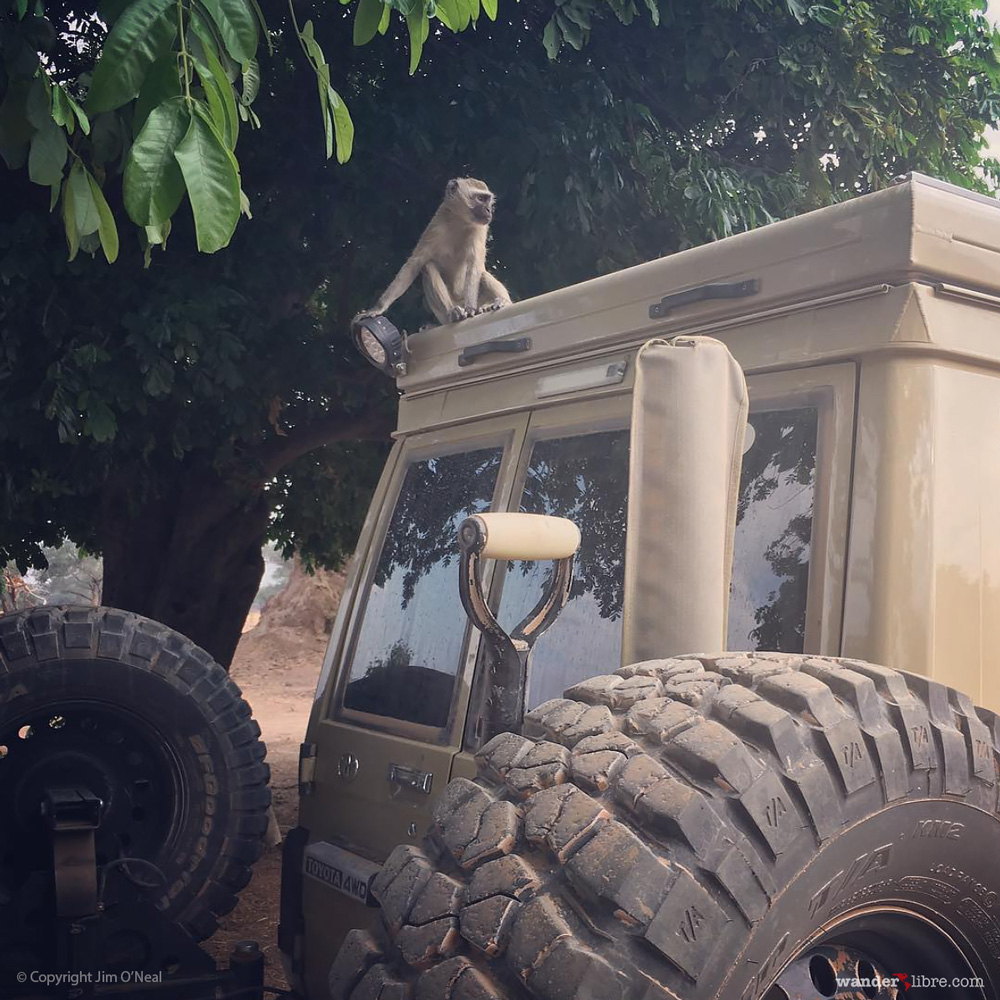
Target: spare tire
(134, 713)
(740, 826)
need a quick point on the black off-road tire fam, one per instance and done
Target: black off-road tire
(155, 727)
(691, 828)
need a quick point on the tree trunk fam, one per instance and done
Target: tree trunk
(189, 557)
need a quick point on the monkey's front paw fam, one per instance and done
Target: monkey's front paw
(458, 313)
(363, 315)
(495, 305)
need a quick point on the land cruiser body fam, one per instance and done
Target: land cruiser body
(866, 530)
(781, 446)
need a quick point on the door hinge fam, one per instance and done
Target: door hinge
(307, 768)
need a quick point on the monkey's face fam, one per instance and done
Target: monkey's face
(472, 198)
(481, 206)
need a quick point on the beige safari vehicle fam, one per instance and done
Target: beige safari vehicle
(784, 822)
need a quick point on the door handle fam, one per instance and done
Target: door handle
(410, 777)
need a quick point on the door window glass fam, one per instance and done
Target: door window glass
(767, 606)
(584, 478)
(410, 643)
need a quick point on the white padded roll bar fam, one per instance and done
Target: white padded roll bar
(689, 416)
(528, 536)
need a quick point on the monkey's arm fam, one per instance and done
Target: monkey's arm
(407, 274)
(492, 293)
(438, 297)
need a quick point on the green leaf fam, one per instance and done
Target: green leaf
(366, 20)
(343, 127)
(215, 109)
(237, 24)
(416, 24)
(47, 156)
(81, 116)
(654, 11)
(162, 82)
(824, 15)
(158, 380)
(62, 113)
(383, 25)
(154, 236)
(107, 230)
(551, 38)
(251, 83)
(230, 125)
(143, 33)
(799, 10)
(470, 13)
(212, 181)
(153, 185)
(85, 215)
(245, 204)
(110, 10)
(38, 106)
(449, 14)
(14, 154)
(100, 423)
(106, 138)
(54, 193)
(323, 81)
(22, 9)
(490, 8)
(573, 33)
(312, 46)
(69, 215)
(262, 24)
(157, 235)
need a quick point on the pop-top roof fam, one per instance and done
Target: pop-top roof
(919, 229)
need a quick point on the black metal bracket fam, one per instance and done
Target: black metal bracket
(85, 908)
(73, 816)
(508, 675)
(722, 290)
(493, 347)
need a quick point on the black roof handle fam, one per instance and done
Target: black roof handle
(493, 347)
(722, 290)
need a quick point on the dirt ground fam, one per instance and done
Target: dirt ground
(277, 665)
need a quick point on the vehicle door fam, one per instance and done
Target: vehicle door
(394, 720)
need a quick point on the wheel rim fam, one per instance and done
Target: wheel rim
(877, 954)
(119, 757)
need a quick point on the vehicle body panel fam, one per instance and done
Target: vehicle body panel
(881, 314)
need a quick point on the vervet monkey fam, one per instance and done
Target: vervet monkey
(451, 258)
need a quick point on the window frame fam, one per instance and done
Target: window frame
(574, 418)
(831, 390)
(506, 433)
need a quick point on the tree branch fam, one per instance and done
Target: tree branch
(372, 424)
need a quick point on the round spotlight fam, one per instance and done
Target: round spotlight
(380, 343)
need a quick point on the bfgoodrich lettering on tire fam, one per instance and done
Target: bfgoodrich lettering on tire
(739, 826)
(145, 720)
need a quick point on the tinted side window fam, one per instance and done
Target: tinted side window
(410, 642)
(584, 478)
(767, 607)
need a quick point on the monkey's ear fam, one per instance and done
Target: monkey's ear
(452, 186)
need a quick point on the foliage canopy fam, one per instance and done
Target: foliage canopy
(184, 411)
(156, 91)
